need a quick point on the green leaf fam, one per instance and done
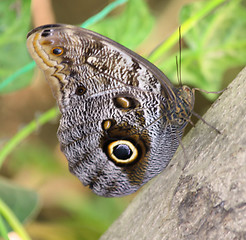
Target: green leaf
(22, 202)
(130, 27)
(14, 24)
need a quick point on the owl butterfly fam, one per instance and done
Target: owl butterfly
(121, 118)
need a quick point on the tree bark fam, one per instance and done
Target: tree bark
(202, 193)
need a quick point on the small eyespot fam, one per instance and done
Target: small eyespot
(80, 90)
(125, 103)
(107, 124)
(57, 51)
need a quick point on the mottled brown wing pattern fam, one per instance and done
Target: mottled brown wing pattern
(121, 117)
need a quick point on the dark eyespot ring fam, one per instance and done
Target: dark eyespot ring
(57, 51)
(122, 152)
(80, 90)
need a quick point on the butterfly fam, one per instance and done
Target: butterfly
(121, 118)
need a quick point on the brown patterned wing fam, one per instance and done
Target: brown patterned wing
(118, 127)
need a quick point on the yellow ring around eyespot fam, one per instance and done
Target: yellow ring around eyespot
(122, 142)
(52, 51)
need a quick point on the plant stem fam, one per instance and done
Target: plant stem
(27, 130)
(102, 14)
(6, 212)
(16, 74)
(3, 230)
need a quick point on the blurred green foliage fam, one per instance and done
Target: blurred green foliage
(14, 25)
(216, 44)
(23, 202)
(136, 20)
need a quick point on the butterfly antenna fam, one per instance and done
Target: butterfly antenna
(180, 46)
(177, 66)
(178, 60)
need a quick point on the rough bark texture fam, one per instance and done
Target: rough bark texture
(202, 193)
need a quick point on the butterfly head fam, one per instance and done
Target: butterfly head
(187, 96)
(180, 108)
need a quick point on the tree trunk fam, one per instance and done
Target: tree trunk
(202, 193)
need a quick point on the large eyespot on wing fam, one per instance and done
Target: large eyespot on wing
(128, 148)
(122, 152)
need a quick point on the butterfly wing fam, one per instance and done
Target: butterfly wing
(114, 128)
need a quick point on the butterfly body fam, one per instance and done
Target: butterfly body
(122, 120)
